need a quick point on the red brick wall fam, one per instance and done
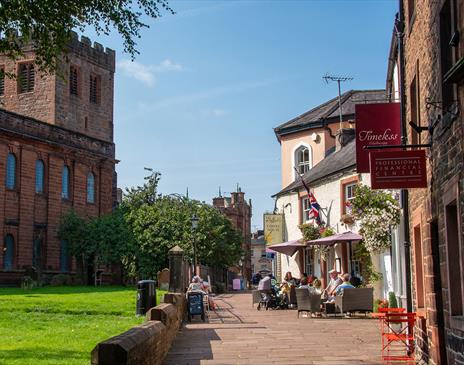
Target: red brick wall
(23, 211)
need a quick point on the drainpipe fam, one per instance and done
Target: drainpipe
(399, 27)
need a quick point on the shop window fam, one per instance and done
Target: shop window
(10, 171)
(455, 270)
(26, 77)
(418, 267)
(39, 176)
(8, 250)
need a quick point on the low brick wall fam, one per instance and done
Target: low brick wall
(149, 343)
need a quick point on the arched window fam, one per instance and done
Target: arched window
(11, 171)
(65, 183)
(64, 256)
(39, 176)
(90, 188)
(302, 159)
(8, 253)
(37, 252)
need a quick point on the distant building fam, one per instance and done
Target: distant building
(261, 260)
(56, 153)
(238, 210)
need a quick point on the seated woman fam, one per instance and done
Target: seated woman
(304, 283)
(195, 285)
(289, 279)
(316, 287)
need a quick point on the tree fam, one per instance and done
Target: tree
(48, 24)
(166, 223)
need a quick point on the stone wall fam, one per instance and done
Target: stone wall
(149, 343)
(440, 336)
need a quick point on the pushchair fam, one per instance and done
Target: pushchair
(270, 300)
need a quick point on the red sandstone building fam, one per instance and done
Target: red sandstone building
(433, 84)
(56, 153)
(238, 210)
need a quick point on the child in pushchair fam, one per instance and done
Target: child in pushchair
(272, 299)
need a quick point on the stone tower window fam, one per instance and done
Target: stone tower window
(74, 80)
(26, 77)
(95, 82)
(2, 80)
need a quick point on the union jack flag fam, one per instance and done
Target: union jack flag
(314, 205)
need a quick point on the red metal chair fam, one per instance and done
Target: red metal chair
(398, 338)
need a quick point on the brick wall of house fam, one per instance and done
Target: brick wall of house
(445, 163)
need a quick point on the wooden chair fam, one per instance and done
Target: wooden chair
(307, 302)
(355, 300)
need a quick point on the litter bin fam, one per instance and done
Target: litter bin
(195, 305)
(146, 296)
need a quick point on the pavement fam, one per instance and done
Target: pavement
(237, 333)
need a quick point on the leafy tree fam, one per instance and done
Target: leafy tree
(147, 193)
(166, 223)
(48, 24)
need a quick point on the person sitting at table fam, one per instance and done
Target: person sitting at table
(288, 278)
(345, 284)
(304, 283)
(265, 283)
(316, 287)
(335, 281)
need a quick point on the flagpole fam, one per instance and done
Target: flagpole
(317, 219)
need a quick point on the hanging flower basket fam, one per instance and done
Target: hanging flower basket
(322, 250)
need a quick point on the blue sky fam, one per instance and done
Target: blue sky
(200, 102)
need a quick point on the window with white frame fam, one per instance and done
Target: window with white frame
(302, 161)
(306, 205)
(349, 195)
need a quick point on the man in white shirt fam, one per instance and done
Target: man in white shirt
(334, 282)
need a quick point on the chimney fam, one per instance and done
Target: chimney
(219, 202)
(343, 137)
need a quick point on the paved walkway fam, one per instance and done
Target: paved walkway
(238, 334)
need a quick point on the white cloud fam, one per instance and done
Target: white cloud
(168, 65)
(147, 73)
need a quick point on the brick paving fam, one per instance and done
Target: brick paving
(236, 333)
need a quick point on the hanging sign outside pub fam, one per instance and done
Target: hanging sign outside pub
(398, 169)
(377, 124)
(273, 228)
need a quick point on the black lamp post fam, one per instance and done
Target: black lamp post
(194, 220)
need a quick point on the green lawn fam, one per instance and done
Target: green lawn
(61, 325)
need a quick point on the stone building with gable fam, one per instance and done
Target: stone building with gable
(239, 211)
(432, 80)
(56, 153)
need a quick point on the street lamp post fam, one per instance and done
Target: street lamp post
(194, 220)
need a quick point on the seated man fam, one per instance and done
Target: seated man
(335, 281)
(345, 284)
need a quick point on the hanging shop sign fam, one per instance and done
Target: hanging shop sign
(273, 228)
(398, 169)
(376, 125)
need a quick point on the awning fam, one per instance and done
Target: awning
(337, 238)
(287, 248)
